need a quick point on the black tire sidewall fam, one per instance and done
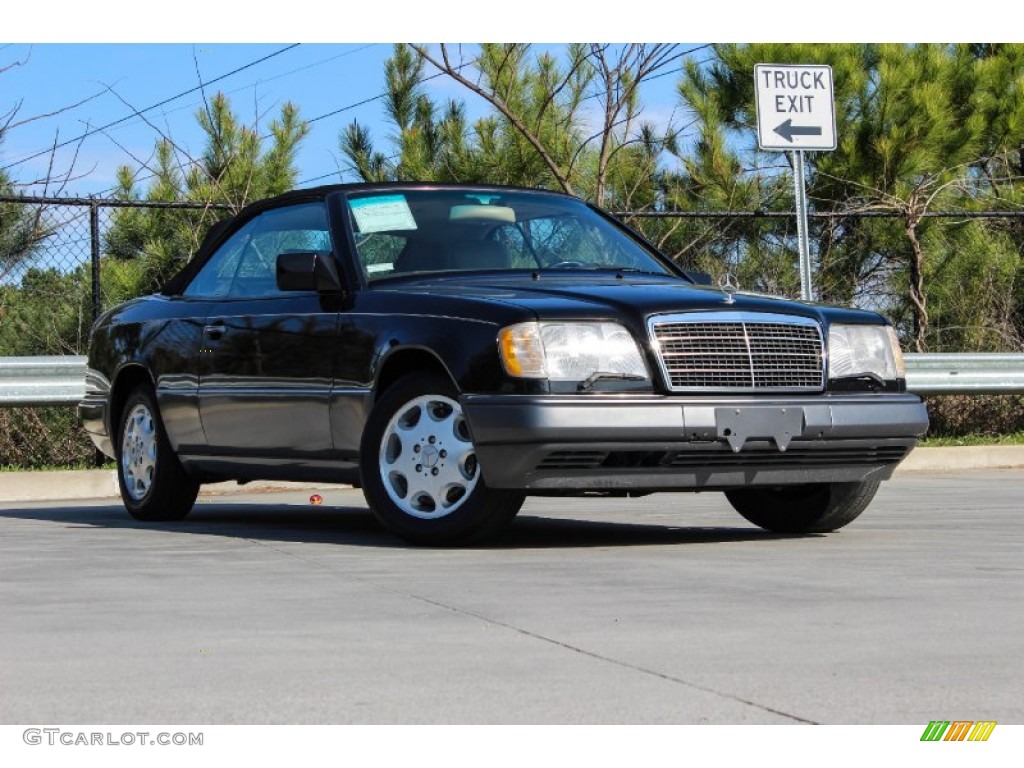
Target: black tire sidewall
(173, 492)
(816, 508)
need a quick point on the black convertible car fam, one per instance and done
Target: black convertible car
(454, 349)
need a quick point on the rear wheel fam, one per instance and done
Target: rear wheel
(153, 484)
(420, 472)
(812, 508)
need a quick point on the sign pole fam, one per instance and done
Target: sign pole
(802, 241)
(796, 113)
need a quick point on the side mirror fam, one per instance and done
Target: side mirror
(307, 271)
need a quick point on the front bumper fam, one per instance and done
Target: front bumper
(642, 443)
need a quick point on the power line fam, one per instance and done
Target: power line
(379, 96)
(290, 72)
(371, 99)
(139, 112)
(325, 115)
(339, 171)
(137, 179)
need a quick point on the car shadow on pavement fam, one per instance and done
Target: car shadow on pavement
(530, 532)
(356, 526)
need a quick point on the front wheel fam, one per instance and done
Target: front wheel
(153, 484)
(812, 508)
(419, 468)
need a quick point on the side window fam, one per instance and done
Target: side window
(295, 228)
(214, 279)
(246, 265)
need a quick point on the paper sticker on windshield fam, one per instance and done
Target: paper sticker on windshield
(382, 214)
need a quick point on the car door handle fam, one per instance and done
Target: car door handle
(215, 331)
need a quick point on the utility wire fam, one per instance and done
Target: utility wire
(264, 81)
(324, 116)
(138, 179)
(379, 96)
(139, 112)
(339, 171)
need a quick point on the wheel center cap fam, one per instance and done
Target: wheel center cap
(430, 456)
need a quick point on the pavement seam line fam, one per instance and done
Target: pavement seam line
(536, 636)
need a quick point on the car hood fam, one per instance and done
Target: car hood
(610, 296)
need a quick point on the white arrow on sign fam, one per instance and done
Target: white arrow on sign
(795, 106)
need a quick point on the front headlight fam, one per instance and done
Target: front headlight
(864, 349)
(569, 351)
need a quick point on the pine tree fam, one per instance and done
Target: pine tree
(541, 131)
(920, 128)
(237, 166)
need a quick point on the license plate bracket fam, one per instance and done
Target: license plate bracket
(738, 424)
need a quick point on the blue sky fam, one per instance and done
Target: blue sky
(120, 78)
(54, 63)
(319, 78)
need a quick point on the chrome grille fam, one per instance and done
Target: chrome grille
(739, 352)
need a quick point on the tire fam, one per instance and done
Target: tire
(419, 469)
(154, 485)
(814, 508)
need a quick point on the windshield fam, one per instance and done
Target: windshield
(415, 232)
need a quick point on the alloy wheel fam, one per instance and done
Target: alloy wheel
(139, 452)
(427, 462)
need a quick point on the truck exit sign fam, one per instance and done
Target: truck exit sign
(795, 107)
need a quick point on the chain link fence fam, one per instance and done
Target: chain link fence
(46, 278)
(46, 308)
(63, 261)
(985, 416)
(44, 438)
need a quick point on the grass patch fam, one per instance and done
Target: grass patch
(56, 467)
(1014, 438)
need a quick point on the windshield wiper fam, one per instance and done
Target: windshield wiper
(628, 270)
(602, 268)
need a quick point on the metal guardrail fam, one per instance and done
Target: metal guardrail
(60, 380)
(963, 373)
(56, 380)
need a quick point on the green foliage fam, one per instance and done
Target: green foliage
(921, 128)
(236, 167)
(22, 230)
(541, 131)
(982, 438)
(47, 313)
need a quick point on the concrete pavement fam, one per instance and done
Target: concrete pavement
(668, 609)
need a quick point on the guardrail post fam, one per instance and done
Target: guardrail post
(94, 236)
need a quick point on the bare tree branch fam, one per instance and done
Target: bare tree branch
(498, 103)
(14, 64)
(44, 115)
